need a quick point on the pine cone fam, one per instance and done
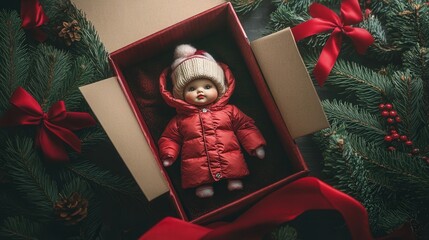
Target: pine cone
(71, 210)
(70, 32)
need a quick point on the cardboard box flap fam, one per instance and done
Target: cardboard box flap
(109, 104)
(120, 23)
(289, 83)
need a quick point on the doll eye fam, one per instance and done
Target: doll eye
(208, 86)
(190, 89)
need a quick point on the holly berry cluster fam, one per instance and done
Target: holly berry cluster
(394, 139)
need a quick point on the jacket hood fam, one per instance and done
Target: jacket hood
(183, 107)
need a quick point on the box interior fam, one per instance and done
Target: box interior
(217, 31)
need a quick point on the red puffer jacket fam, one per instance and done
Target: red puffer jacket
(208, 137)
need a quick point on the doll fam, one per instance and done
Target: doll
(206, 130)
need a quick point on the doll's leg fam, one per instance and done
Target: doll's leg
(204, 191)
(235, 184)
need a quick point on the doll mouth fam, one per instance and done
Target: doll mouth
(200, 97)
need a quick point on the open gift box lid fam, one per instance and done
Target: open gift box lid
(277, 56)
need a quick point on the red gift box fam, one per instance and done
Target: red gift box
(218, 31)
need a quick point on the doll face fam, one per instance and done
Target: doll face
(200, 92)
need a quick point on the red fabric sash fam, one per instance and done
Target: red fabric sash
(54, 127)
(281, 206)
(33, 17)
(324, 19)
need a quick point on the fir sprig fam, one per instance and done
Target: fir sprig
(90, 45)
(356, 80)
(112, 185)
(20, 228)
(409, 102)
(355, 119)
(14, 60)
(29, 176)
(82, 72)
(246, 6)
(49, 71)
(349, 165)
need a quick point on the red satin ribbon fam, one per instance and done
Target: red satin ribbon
(324, 19)
(33, 17)
(284, 205)
(55, 126)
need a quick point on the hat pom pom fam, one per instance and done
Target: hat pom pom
(184, 50)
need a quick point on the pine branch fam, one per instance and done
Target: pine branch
(359, 81)
(356, 120)
(89, 46)
(20, 228)
(297, 5)
(381, 49)
(285, 232)
(407, 174)
(29, 177)
(82, 72)
(14, 58)
(286, 16)
(90, 137)
(49, 71)
(246, 6)
(407, 16)
(112, 185)
(74, 184)
(352, 173)
(11, 204)
(91, 228)
(409, 103)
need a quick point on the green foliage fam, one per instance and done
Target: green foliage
(110, 184)
(391, 184)
(355, 120)
(60, 11)
(29, 177)
(14, 59)
(20, 228)
(285, 232)
(51, 72)
(246, 6)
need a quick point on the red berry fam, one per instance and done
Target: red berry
(388, 106)
(398, 119)
(424, 158)
(391, 148)
(403, 138)
(395, 136)
(390, 120)
(393, 113)
(393, 131)
(385, 113)
(381, 106)
(408, 143)
(387, 138)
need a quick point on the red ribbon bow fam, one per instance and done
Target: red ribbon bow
(33, 17)
(54, 126)
(324, 19)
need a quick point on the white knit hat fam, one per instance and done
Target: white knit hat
(191, 64)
